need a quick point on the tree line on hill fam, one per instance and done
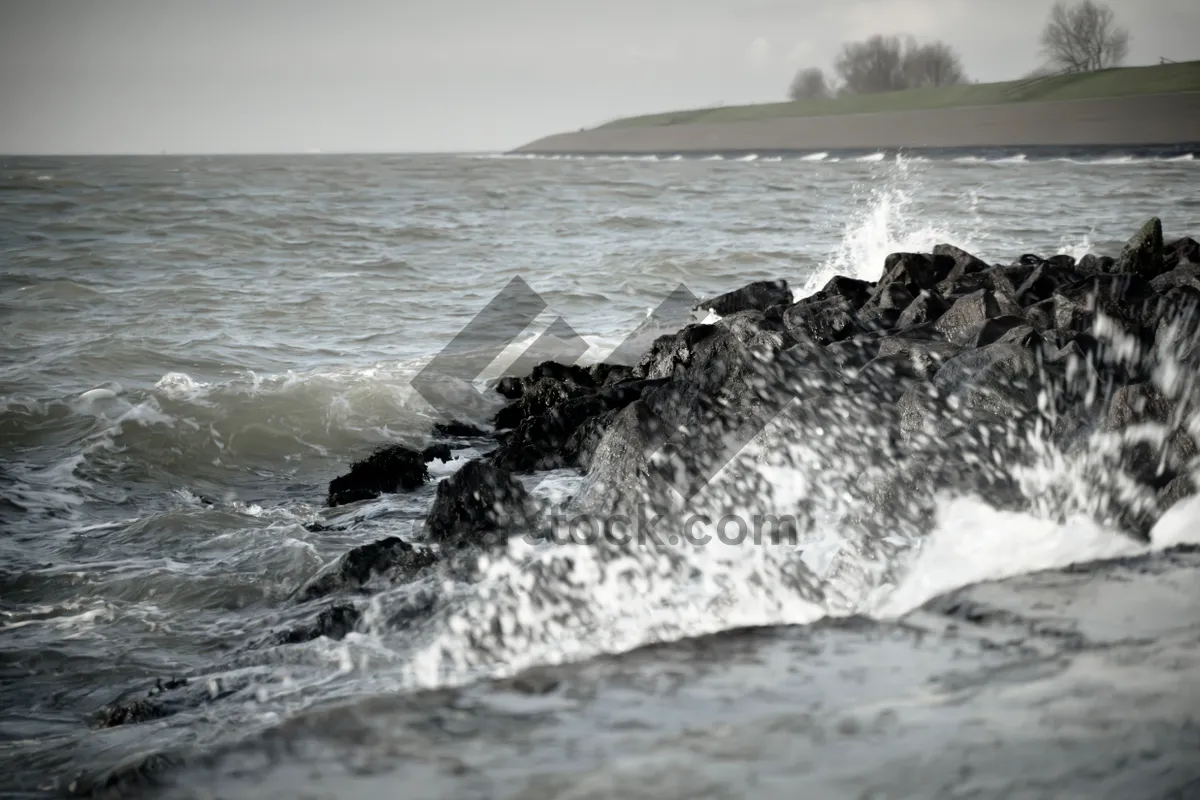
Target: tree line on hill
(1076, 38)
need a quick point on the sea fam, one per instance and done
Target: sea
(192, 347)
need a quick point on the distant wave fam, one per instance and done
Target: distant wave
(815, 157)
(872, 158)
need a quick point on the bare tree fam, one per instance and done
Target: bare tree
(808, 84)
(872, 65)
(1083, 37)
(932, 64)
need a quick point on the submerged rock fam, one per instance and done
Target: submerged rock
(393, 557)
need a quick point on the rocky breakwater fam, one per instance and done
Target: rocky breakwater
(1049, 385)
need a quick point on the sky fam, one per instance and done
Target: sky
(222, 76)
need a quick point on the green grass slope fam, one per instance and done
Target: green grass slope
(1120, 82)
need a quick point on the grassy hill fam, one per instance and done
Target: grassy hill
(1182, 77)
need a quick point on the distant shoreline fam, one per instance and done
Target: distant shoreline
(1167, 122)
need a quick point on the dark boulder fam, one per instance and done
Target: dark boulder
(541, 442)
(992, 330)
(607, 374)
(829, 320)
(1161, 454)
(1041, 315)
(459, 430)
(1185, 274)
(915, 272)
(391, 469)
(672, 350)
(961, 323)
(999, 378)
(927, 307)
(581, 445)
(1043, 281)
(1143, 253)
(963, 262)
(1092, 264)
(395, 558)
(479, 504)
(757, 296)
(852, 290)
(1124, 298)
(537, 398)
(1181, 252)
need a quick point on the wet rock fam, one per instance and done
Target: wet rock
(1143, 253)
(607, 374)
(916, 272)
(479, 504)
(541, 442)
(999, 378)
(1187, 274)
(584, 440)
(1122, 297)
(993, 330)
(563, 373)
(391, 469)
(1157, 457)
(1181, 252)
(537, 398)
(853, 353)
(459, 430)
(1043, 281)
(927, 353)
(855, 292)
(392, 557)
(1092, 264)
(963, 263)
(829, 320)
(510, 387)
(333, 623)
(757, 296)
(1041, 315)
(672, 350)
(969, 312)
(927, 307)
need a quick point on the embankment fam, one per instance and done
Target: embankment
(1157, 120)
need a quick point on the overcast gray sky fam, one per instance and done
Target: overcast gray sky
(452, 75)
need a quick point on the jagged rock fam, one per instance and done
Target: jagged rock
(964, 263)
(1092, 264)
(393, 557)
(1186, 274)
(926, 353)
(671, 350)
(1181, 252)
(1043, 281)
(479, 504)
(757, 296)
(607, 374)
(927, 307)
(829, 320)
(992, 330)
(537, 398)
(1029, 260)
(1143, 253)
(999, 378)
(391, 469)
(1041, 315)
(541, 442)
(853, 291)
(1122, 297)
(915, 272)
(581, 445)
(1155, 463)
(510, 387)
(962, 321)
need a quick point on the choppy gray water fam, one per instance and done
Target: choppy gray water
(191, 348)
